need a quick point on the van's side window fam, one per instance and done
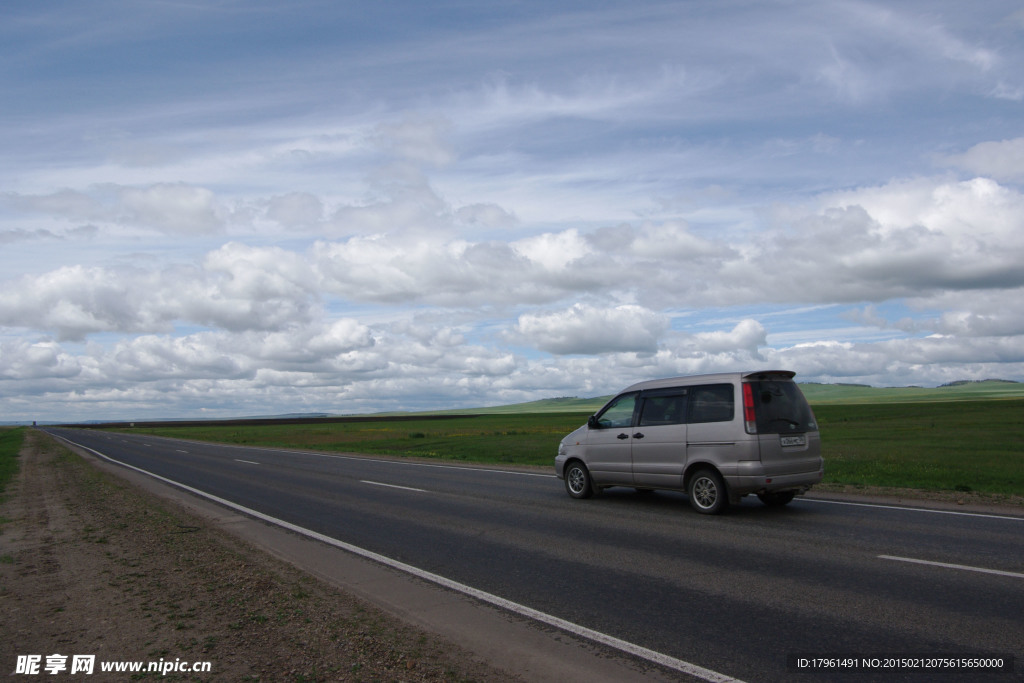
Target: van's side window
(663, 410)
(619, 413)
(712, 403)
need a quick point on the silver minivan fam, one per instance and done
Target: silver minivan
(716, 437)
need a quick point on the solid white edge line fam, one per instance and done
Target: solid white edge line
(947, 565)
(522, 610)
(911, 509)
(391, 486)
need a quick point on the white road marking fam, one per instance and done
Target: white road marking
(581, 631)
(391, 486)
(250, 462)
(362, 458)
(947, 565)
(911, 509)
(409, 463)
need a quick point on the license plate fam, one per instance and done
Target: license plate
(794, 440)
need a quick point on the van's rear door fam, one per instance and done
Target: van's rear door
(786, 428)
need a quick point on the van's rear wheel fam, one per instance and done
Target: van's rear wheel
(707, 492)
(777, 498)
(577, 480)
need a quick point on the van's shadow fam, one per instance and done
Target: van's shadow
(676, 502)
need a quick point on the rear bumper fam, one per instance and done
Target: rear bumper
(751, 478)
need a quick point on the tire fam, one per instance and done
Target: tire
(707, 492)
(776, 499)
(577, 480)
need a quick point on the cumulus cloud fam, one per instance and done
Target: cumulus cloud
(23, 360)
(904, 239)
(909, 239)
(236, 288)
(747, 335)
(1001, 160)
(585, 329)
(74, 301)
(174, 208)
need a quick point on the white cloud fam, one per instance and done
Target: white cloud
(173, 208)
(74, 301)
(1001, 160)
(22, 360)
(748, 335)
(906, 239)
(584, 329)
(553, 251)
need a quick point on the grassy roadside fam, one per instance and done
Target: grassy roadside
(959, 446)
(10, 444)
(963, 446)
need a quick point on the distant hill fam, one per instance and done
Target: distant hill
(832, 394)
(546, 405)
(820, 394)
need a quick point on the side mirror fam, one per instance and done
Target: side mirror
(592, 422)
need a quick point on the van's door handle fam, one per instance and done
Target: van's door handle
(638, 435)
(623, 436)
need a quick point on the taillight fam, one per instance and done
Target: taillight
(749, 415)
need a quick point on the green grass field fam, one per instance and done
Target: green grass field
(962, 445)
(944, 446)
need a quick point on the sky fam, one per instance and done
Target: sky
(243, 207)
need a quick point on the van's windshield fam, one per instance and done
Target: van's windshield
(781, 408)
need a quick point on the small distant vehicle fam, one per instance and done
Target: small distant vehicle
(716, 437)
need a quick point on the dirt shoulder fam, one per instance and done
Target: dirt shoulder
(92, 566)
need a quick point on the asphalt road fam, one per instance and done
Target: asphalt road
(742, 595)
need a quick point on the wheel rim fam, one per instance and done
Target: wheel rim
(577, 480)
(705, 492)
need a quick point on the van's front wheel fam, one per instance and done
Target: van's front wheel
(707, 492)
(577, 480)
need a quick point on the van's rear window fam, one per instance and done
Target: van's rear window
(781, 407)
